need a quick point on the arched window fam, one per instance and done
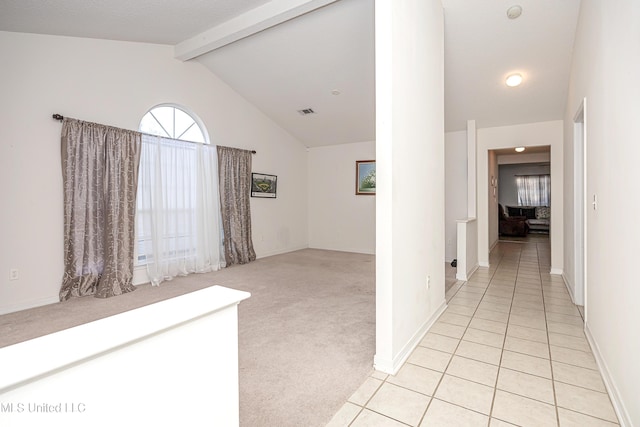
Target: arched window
(177, 221)
(171, 121)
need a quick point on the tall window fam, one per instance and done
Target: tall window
(534, 190)
(177, 224)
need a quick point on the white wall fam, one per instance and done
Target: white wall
(472, 169)
(605, 67)
(517, 158)
(467, 253)
(338, 219)
(115, 83)
(410, 170)
(526, 135)
(455, 184)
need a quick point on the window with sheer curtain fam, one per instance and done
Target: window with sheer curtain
(534, 190)
(178, 208)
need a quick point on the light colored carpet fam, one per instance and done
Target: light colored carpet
(306, 336)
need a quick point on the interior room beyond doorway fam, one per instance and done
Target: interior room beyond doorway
(522, 190)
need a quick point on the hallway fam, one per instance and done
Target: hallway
(509, 350)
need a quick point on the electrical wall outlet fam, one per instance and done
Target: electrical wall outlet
(13, 274)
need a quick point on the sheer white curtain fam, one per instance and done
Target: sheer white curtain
(178, 218)
(534, 190)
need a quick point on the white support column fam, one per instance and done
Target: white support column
(410, 175)
(472, 189)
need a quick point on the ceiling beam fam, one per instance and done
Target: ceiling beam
(266, 16)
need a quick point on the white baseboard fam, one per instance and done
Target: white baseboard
(24, 305)
(465, 277)
(282, 251)
(338, 249)
(473, 270)
(484, 264)
(393, 366)
(569, 286)
(556, 271)
(618, 404)
(382, 365)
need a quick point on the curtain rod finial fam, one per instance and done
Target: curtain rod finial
(58, 117)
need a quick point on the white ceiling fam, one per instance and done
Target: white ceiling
(298, 63)
(149, 21)
(482, 46)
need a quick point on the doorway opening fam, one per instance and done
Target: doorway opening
(522, 192)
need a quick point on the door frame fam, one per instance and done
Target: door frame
(580, 205)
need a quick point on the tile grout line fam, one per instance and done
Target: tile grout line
(362, 407)
(435, 390)
(553, 380)
(547, 290)
(546, 323)
(495, 388)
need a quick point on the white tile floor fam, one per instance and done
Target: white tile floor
(509, 350)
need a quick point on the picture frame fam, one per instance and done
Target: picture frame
(264, 185)
(365, 177)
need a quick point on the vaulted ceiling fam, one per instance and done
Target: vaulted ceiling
(288, 55)
(298, 64)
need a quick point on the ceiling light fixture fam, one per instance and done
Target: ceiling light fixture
(519, 149)
(514, 12)
(514, 80)
(335, 92)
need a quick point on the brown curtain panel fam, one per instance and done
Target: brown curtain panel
(234, 169)
(100, 174)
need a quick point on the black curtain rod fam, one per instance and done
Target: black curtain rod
(60, 117)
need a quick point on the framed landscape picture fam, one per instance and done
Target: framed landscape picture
(366, 177)
(263, 185)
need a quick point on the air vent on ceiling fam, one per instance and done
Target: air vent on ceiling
(306, 111)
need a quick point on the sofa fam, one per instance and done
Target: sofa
(538, 218)
(515, 225)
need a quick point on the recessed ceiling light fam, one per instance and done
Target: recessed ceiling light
(519, 149)
(514, 12)
(514, 80)
(335, 92)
